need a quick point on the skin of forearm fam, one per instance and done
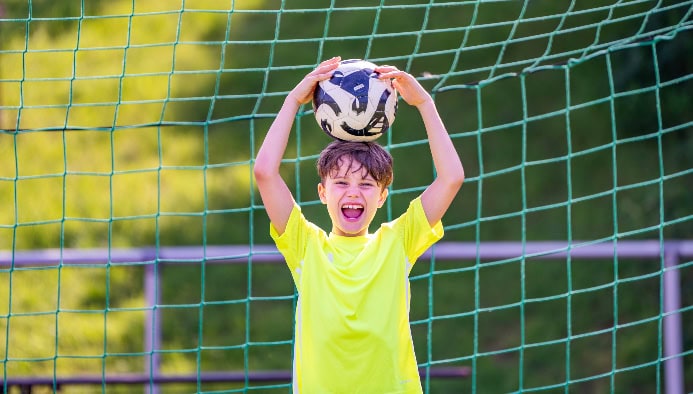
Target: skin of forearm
(445, 158)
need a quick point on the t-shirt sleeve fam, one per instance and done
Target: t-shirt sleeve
(292, 242)
(418, 234)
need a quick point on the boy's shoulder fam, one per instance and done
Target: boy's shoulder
(409, 217)
(298, 224)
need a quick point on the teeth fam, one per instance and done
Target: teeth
(352, 206)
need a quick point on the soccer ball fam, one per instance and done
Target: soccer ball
(354, 105)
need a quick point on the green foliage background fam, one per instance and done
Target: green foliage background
(132, 124)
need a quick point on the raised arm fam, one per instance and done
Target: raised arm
(438, 196)
(275, 193)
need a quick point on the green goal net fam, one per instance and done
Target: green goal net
(134, 248)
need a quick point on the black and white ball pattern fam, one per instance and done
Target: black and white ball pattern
(354, 105)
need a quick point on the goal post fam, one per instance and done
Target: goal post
(128, 134)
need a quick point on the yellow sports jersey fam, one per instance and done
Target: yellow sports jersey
(352, 331)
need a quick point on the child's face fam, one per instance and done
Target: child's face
(352, 197)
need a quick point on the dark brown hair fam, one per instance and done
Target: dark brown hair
(371, 156)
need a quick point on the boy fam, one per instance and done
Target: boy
(352, 331)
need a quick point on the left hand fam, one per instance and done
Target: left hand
(303, 92)
(408, 87)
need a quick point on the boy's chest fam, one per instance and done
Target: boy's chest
(349, 276)
(357, 262)
(358, 293)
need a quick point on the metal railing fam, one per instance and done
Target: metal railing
(27, 384)
(670, 252)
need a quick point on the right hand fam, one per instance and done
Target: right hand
(303, 92)
(407, 86)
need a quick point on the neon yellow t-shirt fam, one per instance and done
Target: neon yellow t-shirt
(352, 331)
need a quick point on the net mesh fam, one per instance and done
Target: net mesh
(132, 126)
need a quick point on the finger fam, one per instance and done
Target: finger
(390, 74)
(324, 76)
(332, 59)
(385, 69)
(325, 69)
(330, 62)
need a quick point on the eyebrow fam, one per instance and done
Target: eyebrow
(336, 175)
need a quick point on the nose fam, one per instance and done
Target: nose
(353, 190)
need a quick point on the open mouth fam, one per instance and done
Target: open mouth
(352, 211)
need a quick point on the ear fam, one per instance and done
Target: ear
(321, 193)
(383, 197)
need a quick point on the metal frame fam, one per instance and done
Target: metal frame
(671, 252)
